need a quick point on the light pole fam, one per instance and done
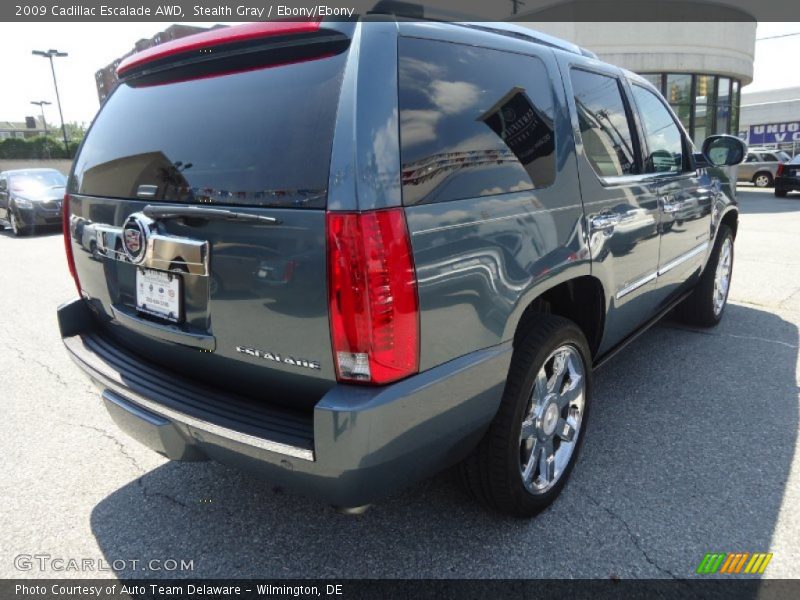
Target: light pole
(41, 104)
(50, 54)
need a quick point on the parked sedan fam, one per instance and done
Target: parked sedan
(31, 198)
(760, 167)
(787, 178)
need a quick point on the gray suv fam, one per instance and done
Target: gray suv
(760, 166)
(345, 256)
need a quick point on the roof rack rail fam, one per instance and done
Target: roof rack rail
(412, 10)
(520, 32)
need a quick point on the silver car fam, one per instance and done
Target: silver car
(760, 166)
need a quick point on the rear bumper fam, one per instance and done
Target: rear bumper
(358, 445)
(788, 184)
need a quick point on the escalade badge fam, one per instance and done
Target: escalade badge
(134, 238)
(288, 360)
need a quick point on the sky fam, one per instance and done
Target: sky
(94, 45)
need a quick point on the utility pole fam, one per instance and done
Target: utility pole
(50, 54)
(41, 104)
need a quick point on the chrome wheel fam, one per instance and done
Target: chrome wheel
(762, 181)
(722, 277)
(552, 423)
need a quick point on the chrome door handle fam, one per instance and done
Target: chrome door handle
(604, 221)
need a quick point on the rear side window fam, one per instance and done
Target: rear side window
(663, 137)
(604, 124)
(473, 122)
(261, 138)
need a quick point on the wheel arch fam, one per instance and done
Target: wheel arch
(581, 300)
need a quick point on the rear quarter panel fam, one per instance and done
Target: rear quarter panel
(481, 261)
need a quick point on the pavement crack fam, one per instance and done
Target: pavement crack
(650, 560)
(141, 481)
(120, 446)
(732, 335)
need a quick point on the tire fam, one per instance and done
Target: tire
(706, 305)
(762, 179)
(17, 228)
(780, 193)
(495, 471)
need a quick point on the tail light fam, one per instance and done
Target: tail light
(372, 292)
(68, 242)
(781, 169)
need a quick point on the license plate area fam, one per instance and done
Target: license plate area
(159, 294)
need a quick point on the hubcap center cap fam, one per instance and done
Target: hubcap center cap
(549, 419)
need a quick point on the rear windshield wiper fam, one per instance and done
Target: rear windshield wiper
(201, 212)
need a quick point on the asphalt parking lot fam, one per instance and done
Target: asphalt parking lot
(692, 447)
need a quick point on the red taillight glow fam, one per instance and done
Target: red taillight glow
(781, 169)
(68, 242)
(372, 293)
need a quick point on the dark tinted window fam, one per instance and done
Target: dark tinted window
(663, 137)
(261, 137)
(767, 157)
(604, 124)
(473, 122)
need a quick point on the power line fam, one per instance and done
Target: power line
(774, 37)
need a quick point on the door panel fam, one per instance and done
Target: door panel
(684, 205)
(620, 204)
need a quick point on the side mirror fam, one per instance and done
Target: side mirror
(724, 150)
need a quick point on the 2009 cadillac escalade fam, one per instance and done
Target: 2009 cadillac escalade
(348, 255)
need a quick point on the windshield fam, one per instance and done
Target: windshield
(37, 181)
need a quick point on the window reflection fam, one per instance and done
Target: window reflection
(604, 126)
(663, 138)
(473, 122)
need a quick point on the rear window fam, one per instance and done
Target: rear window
(258, 138)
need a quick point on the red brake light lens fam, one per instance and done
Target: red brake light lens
(65, 223)
(372, 293)
(781, 168)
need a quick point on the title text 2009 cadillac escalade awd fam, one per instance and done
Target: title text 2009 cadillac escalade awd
(348, 255)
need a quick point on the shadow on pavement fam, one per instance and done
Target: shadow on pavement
(689, 448)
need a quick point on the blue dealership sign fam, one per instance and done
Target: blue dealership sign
(775, 133)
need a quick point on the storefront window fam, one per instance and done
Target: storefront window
(705, 104)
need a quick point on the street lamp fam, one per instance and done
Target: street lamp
(50, 54)
(41, 104)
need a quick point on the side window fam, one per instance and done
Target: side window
(663, 137)
(769, 157)
(752, 158)
(3, 184)
(604, 124)
(473, 122)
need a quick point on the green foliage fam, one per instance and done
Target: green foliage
(37, 147)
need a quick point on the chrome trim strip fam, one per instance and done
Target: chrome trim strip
(492, 219)
(636, 284)
(655, 274)
(682, 258)
(161, 252)
(169, 413)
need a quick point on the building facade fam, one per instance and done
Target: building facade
(771, 118)
(29, 128)
(699, 67)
